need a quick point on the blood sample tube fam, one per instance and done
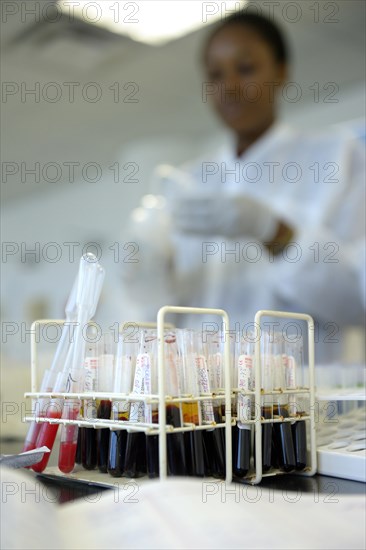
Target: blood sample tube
(213, 444)
(193, 440)
(41, 405)
(149, 346)
(69, 432)
(135, 456)
(47, 433)
(57, 366)
(173, 371)
(267, 400)
(175, 441)
(242, 431)
(213, 349)
(294, 374)
(104, 406)
(124, 367)
(282, 434)
(88, 436)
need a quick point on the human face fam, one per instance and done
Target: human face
(245, 79)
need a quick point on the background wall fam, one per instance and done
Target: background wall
(158, 115)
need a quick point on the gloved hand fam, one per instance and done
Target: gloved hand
(230, 216)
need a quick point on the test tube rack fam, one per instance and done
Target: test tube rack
(162, 400)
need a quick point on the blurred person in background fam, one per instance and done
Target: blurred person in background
(269, 220)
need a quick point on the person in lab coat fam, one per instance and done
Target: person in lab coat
(264, 222)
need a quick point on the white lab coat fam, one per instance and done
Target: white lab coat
(314, 183)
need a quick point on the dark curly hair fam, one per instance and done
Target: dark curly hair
(267, 29)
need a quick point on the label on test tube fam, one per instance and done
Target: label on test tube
(90, 385)
(245, 382)
(215, 370)
(137, 412)
(204, 387)
(146, 361)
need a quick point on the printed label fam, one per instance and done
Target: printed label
(204, 387)
(245, 382)
(146, 361)
(215, 370)
(137, 410)
(90, 385)
(91, 370)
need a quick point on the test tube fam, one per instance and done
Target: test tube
(213, 350)
(47, 385)
(213, 444)
(124, 365)
(174, 417)
(104, 406)
(294, 375)
(69, 432)
(135, 456)
(245, 382)
(149, 346)
(266, 400)
(282, 435)
(193, 440)
(173, 373)
(88, 436)
(47, 433)
(50, 376)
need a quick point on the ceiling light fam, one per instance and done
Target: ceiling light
(150, 21)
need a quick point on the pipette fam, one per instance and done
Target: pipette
(58, 362)
(87, 295)
(88, 292)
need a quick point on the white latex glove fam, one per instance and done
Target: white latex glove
(230, 216)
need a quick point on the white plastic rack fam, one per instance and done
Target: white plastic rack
(342, 437)
(162, 429)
